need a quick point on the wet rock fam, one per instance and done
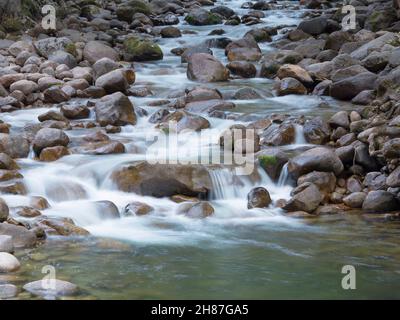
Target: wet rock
(8, 263)
(209, 106)
(239, 139)
(391, 149)
(160, 180)
(25, 86)
(205, 68)
(340, 119)
(348, 88)
(115, 109)
(15, 145)
(136, 49)
(184, 120)
(73, 111)
(21, 237)
(245, 49)
(192, 50)
(306, 197)
(364, 97)
(375, 181)
(314, 26)
(380, 202)
(272, 161)
(6, 244)
(6, 162)
(278, 135)
(242, 69)
(4, 211)
(355, 200)
(202, 17)
(52, 115)
(8, 291)
(316, 131)
(46, 47)
(316, 159)
(196, 210)
(96, 50)
(374, 45)
(325, 181)
(296, 72)
(53, 153)
(202, 94)
(62, 57)
(104, 65)
(49, 137)
(55, 95)
(329, 209)
(363, 158)
(393, 180)
(170, 32)
(290, 86)
(247, 93)
(61, 288)
(101, 148)
(258, 198)
(106, 209)
(61, 226)
(116, 80)
(27, 212)
(137, 209)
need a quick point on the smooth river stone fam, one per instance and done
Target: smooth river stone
(8, 263)
(6, 244)
(8, 291)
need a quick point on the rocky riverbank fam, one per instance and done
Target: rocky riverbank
(85, 74)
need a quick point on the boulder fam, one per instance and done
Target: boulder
(325, 181)
(104, 65)
(115, 109)
(47, 46)
(62, 57)
(290, 86)
(316, 131)
(116, 80)
(242, 69)
(202, 17)
(136, 49)
(258, 198)
(15, 145)
(21, 237)
(316, 159)
(184, 120)
(314, 26)
(296, 72)
(380, 201)
(245, 49)
(205, 68)
(25, 86)
(279, 135)
(393, 180)
(306, 197)
(348, 88)
(163, 180)
(8, 291)
(355, 199)
(49, 137)
(4, 211)
(6, 244)
(96, 50)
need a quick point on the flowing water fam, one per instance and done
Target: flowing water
(237, 253)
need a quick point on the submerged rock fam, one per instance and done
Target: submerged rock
(115, 109)
(8, 263)
(196, 210)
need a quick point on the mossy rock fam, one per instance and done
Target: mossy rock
(126, 11)
(267, 160)
(141, 50)
(71, 49)
(202, 18)
(380, 20)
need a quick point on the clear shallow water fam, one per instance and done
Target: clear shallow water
(238, 253)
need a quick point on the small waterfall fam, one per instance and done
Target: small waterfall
(299, 132)
(284, 176)
(223, 184)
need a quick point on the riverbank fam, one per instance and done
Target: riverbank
(77, 110)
